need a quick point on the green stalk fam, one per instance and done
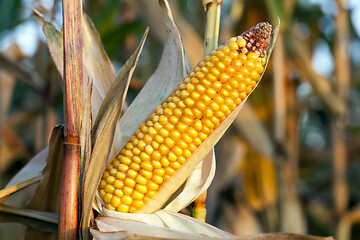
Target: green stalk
(212, 10)
(72, 38)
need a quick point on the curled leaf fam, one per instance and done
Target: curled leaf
(196, 184)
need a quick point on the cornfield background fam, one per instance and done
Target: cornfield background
(289, 163)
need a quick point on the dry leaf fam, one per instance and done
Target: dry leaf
(94, 58)
(196, 184)
(46, 197)
(103, 132)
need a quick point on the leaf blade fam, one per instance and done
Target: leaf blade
(103, 133)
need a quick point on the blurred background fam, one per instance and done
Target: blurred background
(290, 162)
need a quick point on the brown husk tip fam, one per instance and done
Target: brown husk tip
(257, 38)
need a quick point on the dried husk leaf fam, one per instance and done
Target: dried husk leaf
(103, 132)
(151, 219)
(167, 225)
(95, 59)
(54, 41)
(85, 135)
(32, 169)
(199, 180)
(44, 203)
(140, 230)
(30, 173)
(47, 195)
(182, 222)
(175, 226)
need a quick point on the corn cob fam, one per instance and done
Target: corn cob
(178, 126)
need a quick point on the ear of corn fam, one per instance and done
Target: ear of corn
(177, 127)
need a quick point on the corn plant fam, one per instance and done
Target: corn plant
(127, 174)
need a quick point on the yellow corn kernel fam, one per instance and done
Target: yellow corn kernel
(156, 164)
(182, 144)
(164, 162)
(123, 208)
(109, 188)
(146, 174)
(102, 193)
(152, 185)
(138, 204)
(110, 207)
(147, 139)
(102, 184)
(159, 172)
(141, 188)
(172, 157)
(127, 190)
(132, 209)
(118, 193)
(115, 201)
(127, 200)
(136, 159)
(110, 179)
(157, 179)
(125, 160)
(113, 171)
(144, 156)
(137, 195)
(146, 166)
(181, 159)
(175, 165)
(131, 173)
(169, 170)
(107, 197)
(120, 175)
(140, 180)
(150, 194)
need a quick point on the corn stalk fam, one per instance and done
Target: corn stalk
(72, 39)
